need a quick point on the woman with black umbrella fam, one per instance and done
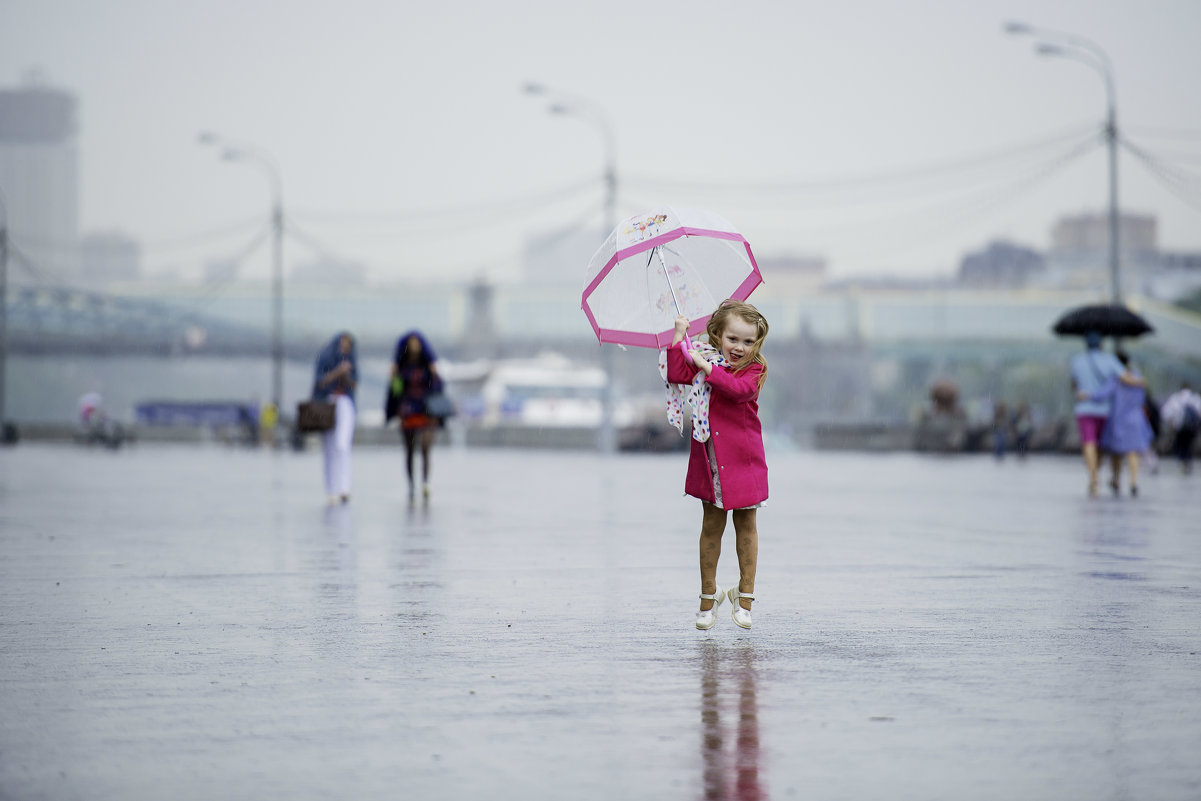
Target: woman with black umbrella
(1094, 368)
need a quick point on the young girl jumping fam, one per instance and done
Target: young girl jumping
(726, 467)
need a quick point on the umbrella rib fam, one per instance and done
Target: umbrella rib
(671, 288)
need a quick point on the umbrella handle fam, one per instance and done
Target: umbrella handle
(674, 299)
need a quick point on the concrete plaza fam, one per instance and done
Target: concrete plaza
(192, 622)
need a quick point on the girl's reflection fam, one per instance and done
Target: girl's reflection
(731, 670)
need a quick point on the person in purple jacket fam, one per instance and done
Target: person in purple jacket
(727, 469)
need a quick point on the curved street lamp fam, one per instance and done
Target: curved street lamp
(231, 151)
(582, 108)
(3, 305)
(593, 113)
(1067, 45)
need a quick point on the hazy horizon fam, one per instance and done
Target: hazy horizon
(886, 139)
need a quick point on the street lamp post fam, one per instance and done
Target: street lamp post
(591, 112)
(3, 307)
(1066, 45)
(241, 152)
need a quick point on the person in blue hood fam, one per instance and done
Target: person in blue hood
(334, 379)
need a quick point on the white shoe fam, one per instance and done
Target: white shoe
(707, 619)
(741, 616)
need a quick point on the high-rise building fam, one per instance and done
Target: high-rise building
(39, 178)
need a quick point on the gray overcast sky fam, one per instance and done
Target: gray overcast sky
(404, 139)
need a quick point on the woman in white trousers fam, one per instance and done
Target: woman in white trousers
(336, 443)
(334, 379)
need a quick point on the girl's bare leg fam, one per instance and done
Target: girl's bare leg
(746, 531)
(1091, 460)
(410, 441)
(407, 435)
(427, 442)
(713, 525)
(1132, 465)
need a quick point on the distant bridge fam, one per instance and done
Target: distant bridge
(59, 319)
(63, 319)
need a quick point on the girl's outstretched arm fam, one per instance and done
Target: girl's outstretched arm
(739, 387)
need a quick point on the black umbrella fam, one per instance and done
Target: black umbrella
(1107, 320)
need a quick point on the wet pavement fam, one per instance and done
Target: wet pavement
(191, 622)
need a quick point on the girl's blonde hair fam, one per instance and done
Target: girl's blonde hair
(749, 314)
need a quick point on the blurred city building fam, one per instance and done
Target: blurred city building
(561, 257)
(107, 256)
(787, 275)
(39, 176)
(1079, 252)
(215, 271)
(1077, 259)
(479, 337)
(330, 271)
(1176, 275)
(1001, 265)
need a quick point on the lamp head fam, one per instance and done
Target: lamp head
(1048, 49)
(532, 88)
(208, 138)
(1018, 29)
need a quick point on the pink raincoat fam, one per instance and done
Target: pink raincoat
(735, 432)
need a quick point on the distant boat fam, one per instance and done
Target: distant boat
(547, 391)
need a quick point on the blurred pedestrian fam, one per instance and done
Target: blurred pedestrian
(248, 415)
(727, 469)
(334, 379)
(1127, 433)
(1182, 414)
(1023, 429)
(95, 426)
(1000, 430)
(1151, 409)
(1090, 371)
(90, 409)
(414, 380)
(268, 419)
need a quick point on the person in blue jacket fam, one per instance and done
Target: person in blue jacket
(1090, 371)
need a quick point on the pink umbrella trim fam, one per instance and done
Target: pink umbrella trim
(670, 236)
(663, 338)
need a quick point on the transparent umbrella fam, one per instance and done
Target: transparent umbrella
(658, 265)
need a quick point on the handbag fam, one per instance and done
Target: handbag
(440, 406)
(314, 416)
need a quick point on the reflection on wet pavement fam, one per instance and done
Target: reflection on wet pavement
(730, 764)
